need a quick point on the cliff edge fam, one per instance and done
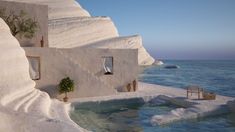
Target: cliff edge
(70, 26)
(22, 107)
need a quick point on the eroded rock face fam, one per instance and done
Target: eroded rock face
(22, 107)
(60, 8)
(80, 31)
(71, 26)
(130, 42)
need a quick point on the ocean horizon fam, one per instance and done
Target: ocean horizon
(216, 76)
(213, 76)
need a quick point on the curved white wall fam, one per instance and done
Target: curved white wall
(22, 107)
(13, 64)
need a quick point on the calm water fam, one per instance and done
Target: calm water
(134, 116)
(215, 76)
(122, 115)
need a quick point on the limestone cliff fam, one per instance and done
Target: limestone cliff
(59, 8)
(130, 42)
(71, 26)
(22, 107)
(80, 31)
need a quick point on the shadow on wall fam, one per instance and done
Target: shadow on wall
(100, 73)
(52, 90)
(129, 87)
(28, 44)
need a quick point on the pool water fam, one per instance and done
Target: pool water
(122, 115)
(135, 116)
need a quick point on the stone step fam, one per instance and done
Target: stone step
(41, 105)
(20, 102)
(30, 102)
(18, 94)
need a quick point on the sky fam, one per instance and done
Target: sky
(174, 29)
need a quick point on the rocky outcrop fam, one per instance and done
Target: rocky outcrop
(80, 31)
(71, 26)
(60, 8)
(22, 107)
(130, 42)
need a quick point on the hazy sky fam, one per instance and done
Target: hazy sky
(174, 29)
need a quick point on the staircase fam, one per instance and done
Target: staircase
(34, 101)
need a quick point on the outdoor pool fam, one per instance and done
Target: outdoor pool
(134, 115)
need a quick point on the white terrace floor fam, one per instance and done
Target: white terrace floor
(191, 108)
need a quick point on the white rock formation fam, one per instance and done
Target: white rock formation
(80, 31)
(22, 107)
(131, 42)
(158, 63)
(60, 8)
(71, 26)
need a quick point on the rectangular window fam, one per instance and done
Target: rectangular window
(108, 65)
(34, 67)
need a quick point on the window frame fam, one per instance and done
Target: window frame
(112, 71)
(39, 65)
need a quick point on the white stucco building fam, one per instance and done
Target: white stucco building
(72, 43)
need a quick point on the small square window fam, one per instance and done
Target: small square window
(108, 65)
(34, 67)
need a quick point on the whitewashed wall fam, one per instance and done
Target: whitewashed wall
(34, 11)
(71, 26)
(84, 66)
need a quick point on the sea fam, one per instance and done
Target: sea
(211, 75)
